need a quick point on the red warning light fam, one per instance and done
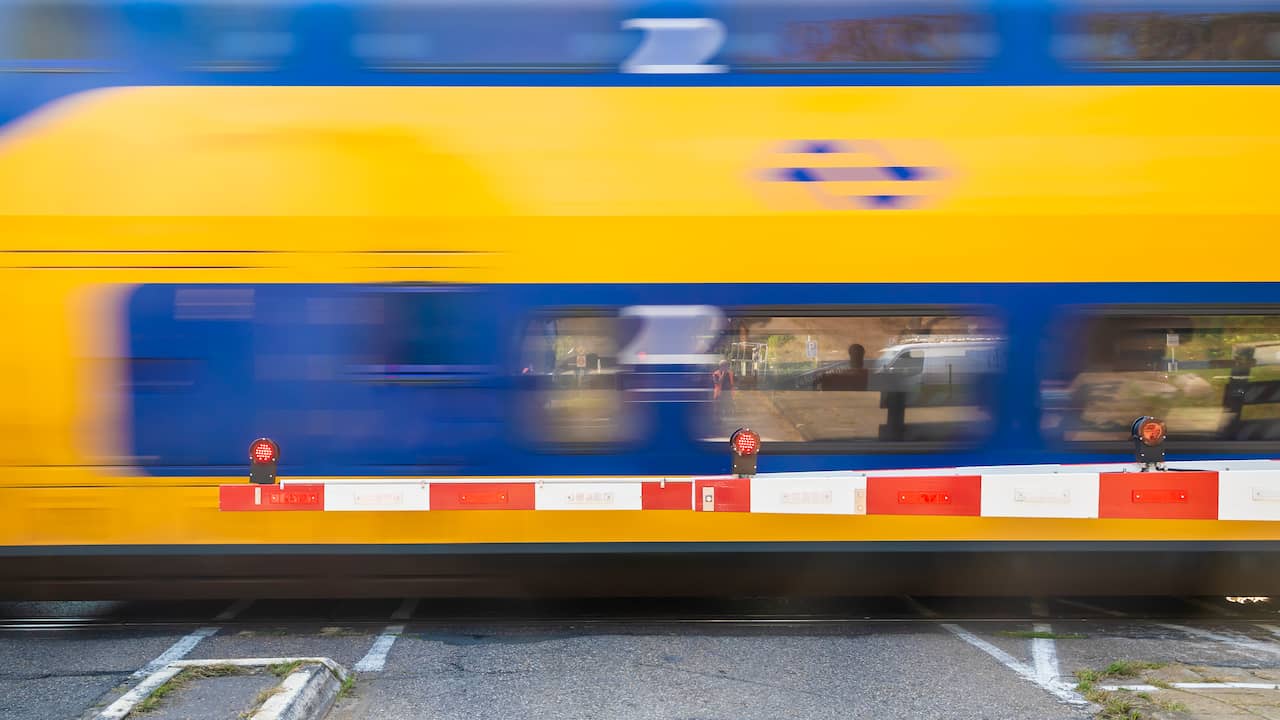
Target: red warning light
(263, 451)
(1151, 432)
(745, 442)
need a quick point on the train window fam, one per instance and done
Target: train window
(856, 35)
(54, 36)
(1211, 377)
(426, 334)
(570, 381)
(491, 36)
(1193, 34)
(867, 379)
(239, 36)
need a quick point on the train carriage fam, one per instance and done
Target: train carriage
(499, 282)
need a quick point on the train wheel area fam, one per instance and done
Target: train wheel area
(1067, 658)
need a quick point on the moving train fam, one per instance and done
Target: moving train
(497, 282)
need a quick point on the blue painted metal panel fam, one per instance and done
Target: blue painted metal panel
(404, 381)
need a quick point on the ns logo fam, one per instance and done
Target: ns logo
(853, 175)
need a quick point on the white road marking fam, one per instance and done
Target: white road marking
(1039, 608)
(376, 658)
(920, 607)
(233, 610)
(1091, 608)
(1195, 686)
(1053, 686)
(405, 611)
(1247, 645)
(1044, 653)
(124, 705)
(176, 651)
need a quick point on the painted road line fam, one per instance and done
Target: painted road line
(1053, 686)
(405, 611)
(1039, 608)
(123, 706)
(1044, 653)
(127, 702)
(233, 610)
(1242, 644)
(1194, 686)
(176, 651)
(376, 658)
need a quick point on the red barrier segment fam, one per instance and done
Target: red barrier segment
(482, 496)
(935, 495)
(675, 496)
(270, 497)
(732, 495)
(1191, 495)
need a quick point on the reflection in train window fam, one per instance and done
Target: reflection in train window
(881, 378)
(492, 35)
(1210, 377)
(239, 36)
(569, 376)
(62, 32)
(855, 35)
(1142, 34)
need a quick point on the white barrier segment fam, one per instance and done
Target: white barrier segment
(376, 496)
(1249, 494)
(613, 495)
(828, 495)
(1060, 495)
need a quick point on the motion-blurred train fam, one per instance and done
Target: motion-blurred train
(498, 280)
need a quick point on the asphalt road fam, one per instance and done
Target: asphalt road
(872, 658)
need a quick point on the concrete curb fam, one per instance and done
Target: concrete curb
(306, 694)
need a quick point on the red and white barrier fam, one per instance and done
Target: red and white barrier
(1224, 490)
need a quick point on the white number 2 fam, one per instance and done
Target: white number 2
(675, 45)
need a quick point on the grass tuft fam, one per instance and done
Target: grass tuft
(284, 669)
(348, 686)
(1129, 668)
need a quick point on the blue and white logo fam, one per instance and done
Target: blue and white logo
(855, 175)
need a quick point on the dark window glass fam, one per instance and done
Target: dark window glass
(1210, 377)
(1154, 34)
(855, 35)
(862, 379)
